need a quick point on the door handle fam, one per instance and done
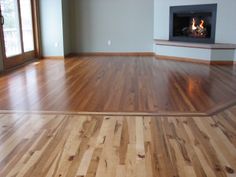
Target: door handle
(2, 20)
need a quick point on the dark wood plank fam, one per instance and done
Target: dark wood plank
(117, 84)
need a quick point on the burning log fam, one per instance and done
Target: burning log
(197, 31)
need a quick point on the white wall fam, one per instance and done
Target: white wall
(51, 27)
(183, 52)
(225, 55)
(127, 23)
(225, 26)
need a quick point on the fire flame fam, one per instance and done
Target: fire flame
(194, 27)
(202, 24)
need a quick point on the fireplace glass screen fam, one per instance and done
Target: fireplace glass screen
(192, 25)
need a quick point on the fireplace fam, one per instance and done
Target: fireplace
(195, 23)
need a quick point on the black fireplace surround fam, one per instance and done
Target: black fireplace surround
(195, 23)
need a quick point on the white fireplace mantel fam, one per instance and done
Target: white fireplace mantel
(195, 51)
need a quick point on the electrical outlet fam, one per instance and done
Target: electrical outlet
(109, 42)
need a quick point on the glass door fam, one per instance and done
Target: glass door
(18, 32)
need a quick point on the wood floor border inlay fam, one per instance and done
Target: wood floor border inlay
(212, 112)
(198, 114)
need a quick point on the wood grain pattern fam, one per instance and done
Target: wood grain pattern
(48, 145)
(117, 84)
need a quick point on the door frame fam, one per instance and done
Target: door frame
(23, 58)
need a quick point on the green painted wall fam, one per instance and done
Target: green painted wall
(128, 24)
(51, 27)
(235, 55)
(67, 26)
(73, 26)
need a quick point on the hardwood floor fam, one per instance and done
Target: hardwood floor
(48, 145)
(117, 84)
(130, 141)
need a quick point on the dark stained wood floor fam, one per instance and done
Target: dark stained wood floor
(117, 84)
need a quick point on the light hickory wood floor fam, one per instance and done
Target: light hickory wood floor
(56, 145)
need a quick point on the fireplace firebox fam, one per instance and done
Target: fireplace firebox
(195, 23)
